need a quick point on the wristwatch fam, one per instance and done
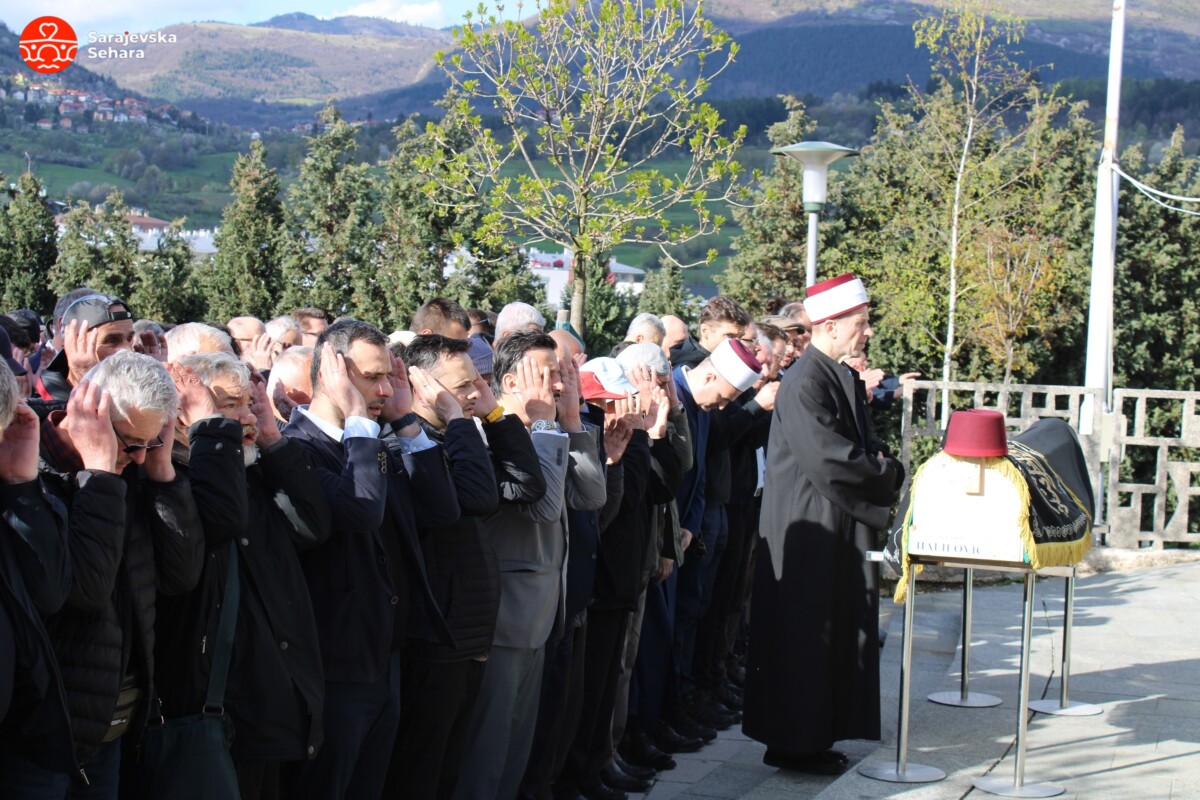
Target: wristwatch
(544, 425)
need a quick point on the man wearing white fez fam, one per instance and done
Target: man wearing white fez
(812, 675)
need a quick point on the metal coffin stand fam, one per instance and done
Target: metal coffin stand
(963, 697)
(1064, 706)
(904, 772)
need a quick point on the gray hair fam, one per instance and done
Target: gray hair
(8, 395)
(143, 325)
(277, 327)
(518, 317)
(645, 353)
(792, 311)
(196, 337)
(646, 320)
(135, 381)
(211, 366)
(292, 368)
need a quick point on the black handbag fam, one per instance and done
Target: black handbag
(188, 758)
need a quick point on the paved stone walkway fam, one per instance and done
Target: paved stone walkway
(1136, 654)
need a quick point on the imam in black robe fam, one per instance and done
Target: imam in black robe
(813, 665)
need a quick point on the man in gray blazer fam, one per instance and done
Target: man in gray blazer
(531, 545)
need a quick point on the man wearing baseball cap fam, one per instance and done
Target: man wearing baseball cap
(93, 327)
(813, 667)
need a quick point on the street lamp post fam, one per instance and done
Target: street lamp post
(816, 158)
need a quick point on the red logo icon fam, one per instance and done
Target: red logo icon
(48, 45)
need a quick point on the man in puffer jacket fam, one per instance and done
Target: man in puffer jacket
(35, 578)
(133, 533)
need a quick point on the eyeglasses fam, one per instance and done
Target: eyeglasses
(129, 449)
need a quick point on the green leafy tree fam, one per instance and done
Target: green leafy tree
(329, 250)
(30, 248)
(986, 155)
(244, 276)
(98, 248)
(589, 95)
(166, 289)
(771, 252)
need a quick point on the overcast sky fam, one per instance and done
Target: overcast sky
(116, 16)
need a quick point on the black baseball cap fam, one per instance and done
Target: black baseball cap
(94, 309)
(29, 321)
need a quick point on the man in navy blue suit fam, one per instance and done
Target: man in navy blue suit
(369, 578)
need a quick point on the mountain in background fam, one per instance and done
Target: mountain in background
(214, 60)
(350, 26)
(275, 72)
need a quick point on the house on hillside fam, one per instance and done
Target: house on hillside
(45, 124)
(66, 124)
(144, 223)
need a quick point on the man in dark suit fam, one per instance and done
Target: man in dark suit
(368, 578)
(531, 544)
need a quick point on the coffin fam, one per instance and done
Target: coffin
(1032, 507)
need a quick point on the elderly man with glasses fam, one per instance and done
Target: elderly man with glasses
(134, 533)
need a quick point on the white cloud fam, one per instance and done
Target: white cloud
(431, 14)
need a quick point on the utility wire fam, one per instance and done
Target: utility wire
(1154, 194)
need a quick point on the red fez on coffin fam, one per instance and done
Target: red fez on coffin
(976, 433)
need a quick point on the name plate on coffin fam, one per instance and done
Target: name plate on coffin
(963, 508)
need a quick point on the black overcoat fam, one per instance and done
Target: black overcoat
(813, 669)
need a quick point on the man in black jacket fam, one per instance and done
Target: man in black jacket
(441, 683)
(93, 326)
(133, 534)
(35, 579)
(368, 578)
(257, 491)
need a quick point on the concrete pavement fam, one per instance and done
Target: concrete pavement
(1135, 653)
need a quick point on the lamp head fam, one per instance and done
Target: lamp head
(816, 158)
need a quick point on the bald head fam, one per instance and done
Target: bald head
(676, 332)
(245, 330)
(566, 345)
(290, 383)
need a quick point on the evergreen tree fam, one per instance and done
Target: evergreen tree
(495, 279)
(1157, 298)
(98, 248)
(30, 249)
(664, 293)
(166, 290)
(329, 254)
(244, 276)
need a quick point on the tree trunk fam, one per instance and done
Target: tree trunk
(579, 297)
(1009, 348)
(952, 305)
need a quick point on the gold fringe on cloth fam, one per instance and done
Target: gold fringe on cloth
(1044, 554)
